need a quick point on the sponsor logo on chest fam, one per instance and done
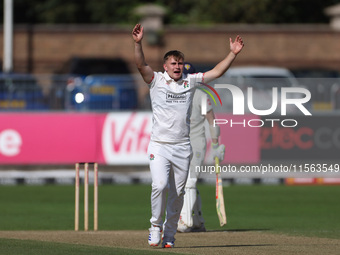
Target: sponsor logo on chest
(172, 98)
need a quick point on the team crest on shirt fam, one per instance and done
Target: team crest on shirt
(186, 84)
(152, 157)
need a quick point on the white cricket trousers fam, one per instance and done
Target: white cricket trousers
(169, 167)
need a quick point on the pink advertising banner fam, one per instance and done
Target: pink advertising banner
(112, 139)
(240, 136)
(49, 138)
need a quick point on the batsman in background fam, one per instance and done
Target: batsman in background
(169, 150)
(191, 218)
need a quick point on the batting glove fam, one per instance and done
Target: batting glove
(218, 151)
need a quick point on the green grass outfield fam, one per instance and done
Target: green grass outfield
(293, 210)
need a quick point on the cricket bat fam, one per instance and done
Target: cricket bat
(219, 195)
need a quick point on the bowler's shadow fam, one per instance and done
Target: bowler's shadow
(240, 230)
(229, 246)
(233, 245)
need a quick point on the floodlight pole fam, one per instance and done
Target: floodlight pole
(8, 36)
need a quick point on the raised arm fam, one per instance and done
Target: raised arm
(222, 67)
(145, 70)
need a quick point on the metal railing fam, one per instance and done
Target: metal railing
(49, 92)
(68, 92)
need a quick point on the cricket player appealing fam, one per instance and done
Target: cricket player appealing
(169, 151)
(191, 218)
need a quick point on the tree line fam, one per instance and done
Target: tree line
(177, 12)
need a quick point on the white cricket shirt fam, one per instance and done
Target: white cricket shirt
(171, 106)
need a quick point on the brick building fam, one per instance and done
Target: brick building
(45, 48)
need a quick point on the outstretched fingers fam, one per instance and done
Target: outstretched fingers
(239, 40)
(137, 33)
(136, 29)
(237, 45)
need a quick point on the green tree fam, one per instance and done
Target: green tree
(248, 11)
(178, 12)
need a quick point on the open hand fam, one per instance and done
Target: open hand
(137, 33)
(237, 45)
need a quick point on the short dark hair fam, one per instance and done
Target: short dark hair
(173, 53)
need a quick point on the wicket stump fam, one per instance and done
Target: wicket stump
(86, 196)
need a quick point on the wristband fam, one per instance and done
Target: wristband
(214, 145)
